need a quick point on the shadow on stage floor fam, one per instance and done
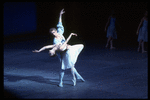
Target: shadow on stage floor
(119, 73)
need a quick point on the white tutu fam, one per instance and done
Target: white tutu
(143, 32)
(69, 57)
(111, 31)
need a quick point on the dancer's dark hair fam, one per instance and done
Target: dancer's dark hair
(51, 29)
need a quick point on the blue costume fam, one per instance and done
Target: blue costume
(67, 58)
(60, 30)
(111, 31)
(143, 32)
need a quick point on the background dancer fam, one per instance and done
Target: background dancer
(142, 32)
(111, 30)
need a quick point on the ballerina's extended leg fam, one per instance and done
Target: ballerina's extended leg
(75, 71)
(78, 75)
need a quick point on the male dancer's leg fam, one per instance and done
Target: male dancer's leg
(61, 75)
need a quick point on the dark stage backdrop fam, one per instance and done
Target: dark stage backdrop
(19, 18)
(87, 19)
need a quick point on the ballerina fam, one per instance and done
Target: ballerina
(142, 32)
(111, 31)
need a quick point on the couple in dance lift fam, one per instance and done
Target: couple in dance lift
(66, 53)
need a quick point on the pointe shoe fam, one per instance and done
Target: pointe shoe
(81, 78)
(74, 82)
(60, 85)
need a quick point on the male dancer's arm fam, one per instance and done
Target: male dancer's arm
(60, 16)
(60, 28)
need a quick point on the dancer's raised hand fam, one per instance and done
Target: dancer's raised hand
(74, 34)
(62, 11)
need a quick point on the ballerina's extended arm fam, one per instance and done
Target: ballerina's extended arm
(45, 47)
(52, 46)
(65, 43)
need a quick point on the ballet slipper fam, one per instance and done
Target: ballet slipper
(79, 77)
(60, 84)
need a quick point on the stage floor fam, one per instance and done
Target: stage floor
(119, 73)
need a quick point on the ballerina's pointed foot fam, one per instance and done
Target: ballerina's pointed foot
(81, 79)
(60, 85)
(74, 82)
